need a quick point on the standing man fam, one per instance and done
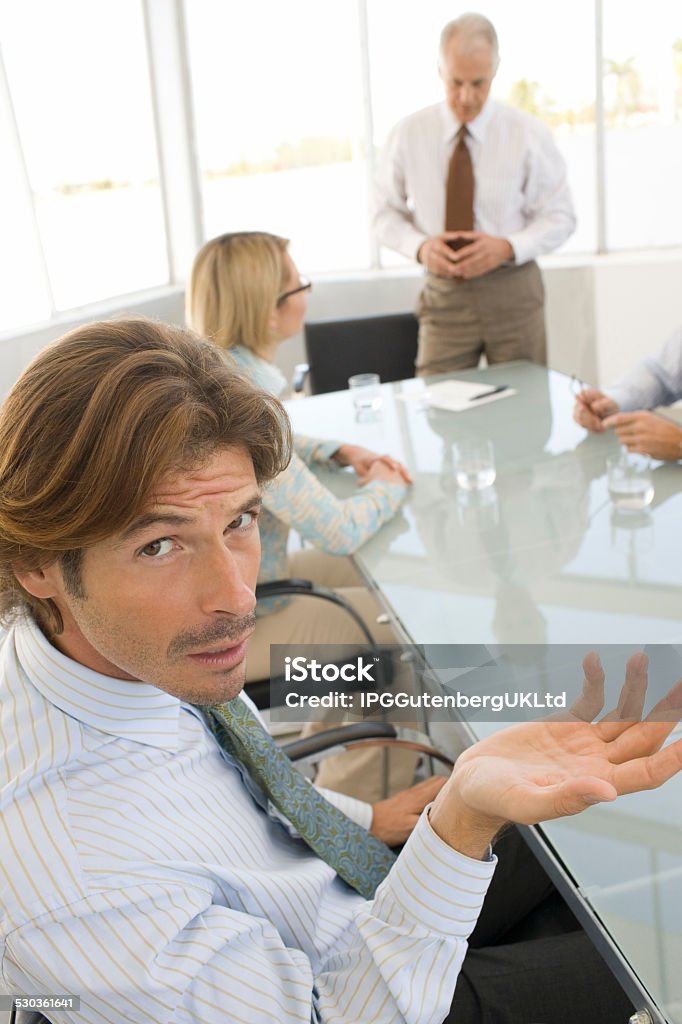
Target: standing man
(475, 190)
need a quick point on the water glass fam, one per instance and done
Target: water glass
(629, 481)
(365, 390)
(474, 462)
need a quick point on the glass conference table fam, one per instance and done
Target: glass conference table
(541, 558)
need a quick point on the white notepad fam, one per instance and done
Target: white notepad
(458, 395)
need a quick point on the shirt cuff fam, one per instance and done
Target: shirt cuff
(522, 249)
(437, 886)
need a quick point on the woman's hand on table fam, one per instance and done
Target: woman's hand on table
(364, 462)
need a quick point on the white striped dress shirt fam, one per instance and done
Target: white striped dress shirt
(138, 872)
(520, 191)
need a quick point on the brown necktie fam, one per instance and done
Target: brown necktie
(459, 195)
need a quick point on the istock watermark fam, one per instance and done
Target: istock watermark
(467, 682)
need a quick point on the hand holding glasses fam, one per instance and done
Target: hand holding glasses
(591, 406)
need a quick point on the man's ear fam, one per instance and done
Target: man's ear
(41, 583)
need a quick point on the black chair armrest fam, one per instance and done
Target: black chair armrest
(319, 742)
(307, 588)
(301, 371)
(363, 734)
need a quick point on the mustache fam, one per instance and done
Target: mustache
(193, 641)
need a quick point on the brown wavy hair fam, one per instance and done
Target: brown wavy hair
(94, 424)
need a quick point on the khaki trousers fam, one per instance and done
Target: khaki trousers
(307, 620)
(500, 314)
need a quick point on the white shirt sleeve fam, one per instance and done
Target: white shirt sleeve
(166, 948)
(657, 380)
(548, 207)
(393, 219)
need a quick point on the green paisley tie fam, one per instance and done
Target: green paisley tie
(358, 857)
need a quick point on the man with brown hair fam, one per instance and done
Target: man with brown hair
(145, 869)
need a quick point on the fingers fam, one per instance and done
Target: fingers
(591, 407)
(575, 795)
(650, 735)
(397, 466)
(422, 793)
(639, 741)
(533, 803)
(622, 420)
(649, 772)
(633, 693)
(591, 699)
(669, 708)
(438, 257)
(582, 414)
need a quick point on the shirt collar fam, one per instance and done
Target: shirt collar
(120, 707)
(266, 375)
(476, 128)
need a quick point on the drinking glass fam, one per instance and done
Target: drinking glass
(474, 462)
(629, 481)
(365, 390)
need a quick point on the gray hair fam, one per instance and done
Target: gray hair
(472, 30)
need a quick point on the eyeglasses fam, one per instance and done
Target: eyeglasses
(576, 385)
(304, 286)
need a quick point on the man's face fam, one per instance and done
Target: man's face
(171, 600)
(468, 75)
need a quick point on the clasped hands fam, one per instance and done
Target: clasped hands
(641, 431)
(546, 769)
(371, 466)
(483, 254)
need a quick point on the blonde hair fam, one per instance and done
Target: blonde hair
(234, 286)
(95, 423)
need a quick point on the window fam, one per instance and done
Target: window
(278, 105)
(290, 104)
(643, 116)
(78, 82)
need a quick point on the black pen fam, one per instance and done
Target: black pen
(485, 394)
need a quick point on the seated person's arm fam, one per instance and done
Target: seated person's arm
(335, 525)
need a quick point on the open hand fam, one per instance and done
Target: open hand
(548, 769)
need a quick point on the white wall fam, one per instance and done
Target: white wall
(603, 313)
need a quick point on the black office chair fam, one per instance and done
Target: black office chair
(262, 691)
(337, 349)
(266, 693)
(27, 1017)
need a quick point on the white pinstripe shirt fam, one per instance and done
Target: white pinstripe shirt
(138, 872)
(520, 192)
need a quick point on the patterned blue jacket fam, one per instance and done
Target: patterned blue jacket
(296, 498)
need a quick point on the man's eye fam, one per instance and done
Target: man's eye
(243, 521)
(155, 548)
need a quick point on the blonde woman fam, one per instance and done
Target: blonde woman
(246, 296)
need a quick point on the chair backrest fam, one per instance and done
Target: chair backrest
(336, 349)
